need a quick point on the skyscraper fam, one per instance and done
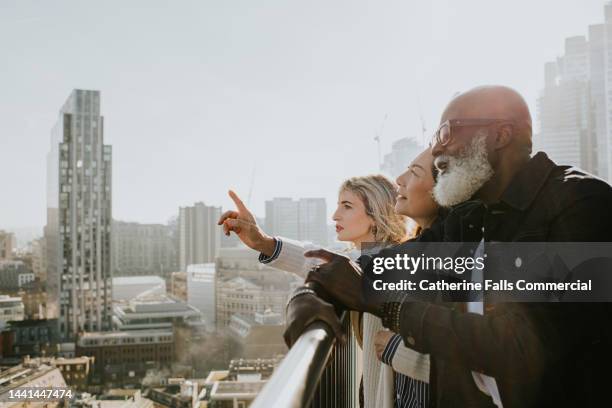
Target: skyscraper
(79, 214)
(200, 288)
(7, 242)
(282, 217)
(303, 219)
(403, 151)
(600, 41)
(143, 249)
(39, 258)
(312, 220)
(199, 234)
(575, 106)
(567, 121)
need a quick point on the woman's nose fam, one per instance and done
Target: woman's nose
(400, 179)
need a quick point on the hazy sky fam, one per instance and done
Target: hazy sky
(197, 94)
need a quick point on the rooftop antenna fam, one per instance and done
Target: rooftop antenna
(377, 140)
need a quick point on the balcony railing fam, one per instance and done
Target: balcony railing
(315, 373)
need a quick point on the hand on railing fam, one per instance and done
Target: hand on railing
(343, 280)
(304, 310)
(314, 373)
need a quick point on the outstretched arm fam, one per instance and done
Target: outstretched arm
(242, 222)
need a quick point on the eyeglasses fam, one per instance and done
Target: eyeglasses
(444, 134)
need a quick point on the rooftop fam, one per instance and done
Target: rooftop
(216, 375)
(23, 374)
(228, 390)
(241, 283)
(206, 267)
(137, 280)
(155, 303)
(125, 334)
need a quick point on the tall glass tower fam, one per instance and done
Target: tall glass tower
(79, 214)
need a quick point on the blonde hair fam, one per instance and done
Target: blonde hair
(379, 194)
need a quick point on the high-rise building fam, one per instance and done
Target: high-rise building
(403, 151)
(567, 121)
(200, 288)
(79, 216)
(312, 220)
(575, 106)
(199, 234)
(7, 243)
(282, 217)
(303, 219)
(600, 41)
(196, 287)
(39, 258)
(14, 275)
(597, 81)
(143, 249)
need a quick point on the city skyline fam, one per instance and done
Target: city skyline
(124, 124)
(319, 94)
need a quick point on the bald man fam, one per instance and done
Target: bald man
(514, 355)
(483, 140)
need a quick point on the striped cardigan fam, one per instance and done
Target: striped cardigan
(378, 383)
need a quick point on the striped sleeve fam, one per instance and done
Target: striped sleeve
(391, 348)
(289, 256)
(278, 245)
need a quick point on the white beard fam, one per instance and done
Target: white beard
(465, 174)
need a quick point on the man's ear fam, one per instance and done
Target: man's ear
(503, 136)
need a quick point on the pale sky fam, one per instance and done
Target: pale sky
(197, 94)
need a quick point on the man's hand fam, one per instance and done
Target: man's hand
(243, 223)
(381, 339)
(306, 309)
(342, 279)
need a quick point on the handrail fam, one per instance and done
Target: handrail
(296, 378)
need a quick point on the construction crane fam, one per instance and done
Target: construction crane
(251, 185)
(423, 127)
(377, 140)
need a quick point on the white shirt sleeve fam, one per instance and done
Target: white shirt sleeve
(289, 256)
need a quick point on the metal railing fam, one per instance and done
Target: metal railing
(315, 373)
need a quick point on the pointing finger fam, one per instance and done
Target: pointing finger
(239, 204)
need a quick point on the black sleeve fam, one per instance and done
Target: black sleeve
(500, 343)
(586, 220)
(515, 339)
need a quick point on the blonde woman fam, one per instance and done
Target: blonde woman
(365, 214)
